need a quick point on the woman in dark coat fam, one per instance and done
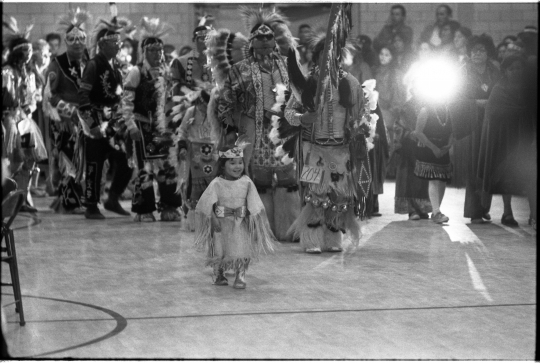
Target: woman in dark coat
(481, 75)
(507, 134)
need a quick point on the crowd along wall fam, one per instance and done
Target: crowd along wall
(496, 19)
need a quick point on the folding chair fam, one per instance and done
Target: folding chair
(10, 207)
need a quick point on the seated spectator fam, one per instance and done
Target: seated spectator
(432, 33)
(394, 25)
(54, 40)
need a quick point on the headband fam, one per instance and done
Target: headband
(262, 29)
(23, 45)
(234, 153)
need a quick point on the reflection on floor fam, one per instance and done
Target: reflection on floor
(411, 290)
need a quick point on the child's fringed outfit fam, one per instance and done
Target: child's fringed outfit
(245, 231)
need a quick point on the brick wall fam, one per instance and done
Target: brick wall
(496, 19)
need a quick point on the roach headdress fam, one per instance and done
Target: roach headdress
(264, 21)
(15, 38)
(151, 33)
(108, 29)
(75, 18)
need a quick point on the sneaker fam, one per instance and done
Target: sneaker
(315, 250)
(424, 216)
(487, 216)
(478, 221)
(335, 249)
(414, 217)
(439, 218)
(376, 214)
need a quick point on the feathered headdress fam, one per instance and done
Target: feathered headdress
(263, 21)
(152, 31)
(224, 49)
(108, 29)
(329, 51)
(15, 38)
(75, 18)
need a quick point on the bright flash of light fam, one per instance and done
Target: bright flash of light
(436, 79)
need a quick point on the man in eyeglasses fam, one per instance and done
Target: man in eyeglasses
(251, 88)
(64, 77)
(100, 95)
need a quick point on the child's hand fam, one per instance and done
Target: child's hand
(216, 226)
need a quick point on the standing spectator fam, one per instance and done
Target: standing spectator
(461, 41)
(369, 56)
(447, 35)
(515, 48)
(481, 75)
(411, 192)
(129, 48)
(391, 96)
(403, 53)
(394, 25)
(359, 68)
(169, 51)
(507, 134)
(509, 39)
(501, 52)
(304, 32)
(432, 33)
(54, 40)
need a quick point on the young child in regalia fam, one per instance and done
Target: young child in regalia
(231, 221)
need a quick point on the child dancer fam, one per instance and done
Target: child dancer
(231, 221)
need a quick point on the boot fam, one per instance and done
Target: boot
(113, 205)
(240, 281)
(92, 212)
(220, 280)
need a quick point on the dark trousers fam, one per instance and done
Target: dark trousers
(96, 152)
(144, 199)
(477, 202)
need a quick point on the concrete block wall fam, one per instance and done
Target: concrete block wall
(179, 15)
(495, 19)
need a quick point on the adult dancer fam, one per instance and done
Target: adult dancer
(251, 87)
(334, 147)
(99, 102)
(23, 141)
(61, 99)
(147, 90)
